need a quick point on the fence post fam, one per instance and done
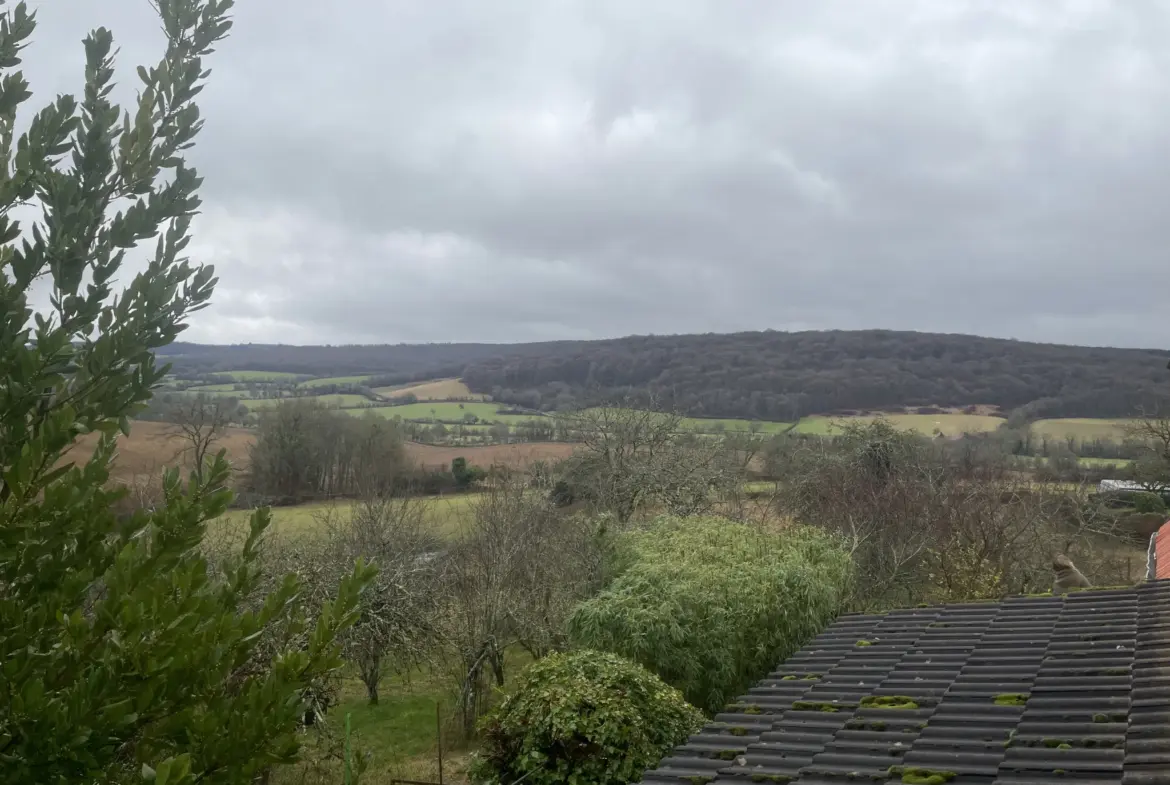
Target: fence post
(348, 773)
(439, 734)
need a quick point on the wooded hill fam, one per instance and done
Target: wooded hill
(766, 375)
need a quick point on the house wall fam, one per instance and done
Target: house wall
(1162, 552)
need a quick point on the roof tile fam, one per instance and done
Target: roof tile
(1072, 689)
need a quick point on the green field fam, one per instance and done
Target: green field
(341, 401)
(451, 411)
(445, 513)
(214, 388)
(259, 376)
(335, 380)
(1084, 463)
(949, 424)
(707, 424)
(1082, 429)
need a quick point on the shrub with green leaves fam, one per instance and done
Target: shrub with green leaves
(586, 717)
(711, 605)
(1146, 502)
(123, 657)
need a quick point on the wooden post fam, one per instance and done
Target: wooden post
(439, 735)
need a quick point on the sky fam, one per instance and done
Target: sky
(459, 170)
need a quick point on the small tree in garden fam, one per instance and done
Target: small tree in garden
(124, 658)
(586, 717)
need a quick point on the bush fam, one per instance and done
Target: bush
(710, 605)
(1146, 503)
(586, 717)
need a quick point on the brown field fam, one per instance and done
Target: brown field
(439, 390)
(153, 446)
(514, 456)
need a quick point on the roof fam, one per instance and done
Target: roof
(1162, 552)
(1090, 670)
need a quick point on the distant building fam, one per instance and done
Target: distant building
(1119, 485)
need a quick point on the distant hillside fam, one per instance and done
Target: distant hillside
(764, 375)
(780, 376)
(401, 362)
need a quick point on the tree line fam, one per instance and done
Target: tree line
(783, 376)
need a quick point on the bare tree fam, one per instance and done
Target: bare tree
(398, 611)
(512, 578)
(200, 421)
(925, 524)
(633, 458)
(1151, 432)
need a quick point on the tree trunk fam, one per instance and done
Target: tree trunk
(370, 672)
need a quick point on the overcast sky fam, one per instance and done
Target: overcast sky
(449, 170)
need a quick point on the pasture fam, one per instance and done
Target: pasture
(216, 388)
(153, 446)
(260, 376)
(445, 515)
(437, 390)
(331, 380)
(948, 424)
(336, 400)
(1081, 429)
(450, 411)
(709, 424)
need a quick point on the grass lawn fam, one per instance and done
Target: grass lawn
(335, 380)
(1082, 429)
(401, 733)
(446, 513)
(341, 401)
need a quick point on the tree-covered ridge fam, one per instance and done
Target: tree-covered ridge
(782, 376)
(765, 375)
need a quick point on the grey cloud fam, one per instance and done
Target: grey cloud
(547, 169)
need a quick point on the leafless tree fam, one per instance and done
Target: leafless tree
(923, 525)
(511, 578)
(396, 630)
(635, 458)
(1151, 432)
(200, 421)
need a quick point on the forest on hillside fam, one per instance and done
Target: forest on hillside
(395, 362)
(782, 376)
(765, 375)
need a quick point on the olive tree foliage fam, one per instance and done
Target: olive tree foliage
(710, 605)
(124, 659)
(512, 577)
(926, 521)
(632, 459)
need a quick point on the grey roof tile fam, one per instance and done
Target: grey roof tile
(1092, 669)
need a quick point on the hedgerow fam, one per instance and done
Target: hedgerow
(711, 605)
(585, 717)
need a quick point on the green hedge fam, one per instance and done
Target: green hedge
(712, 606)
(586, 717)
